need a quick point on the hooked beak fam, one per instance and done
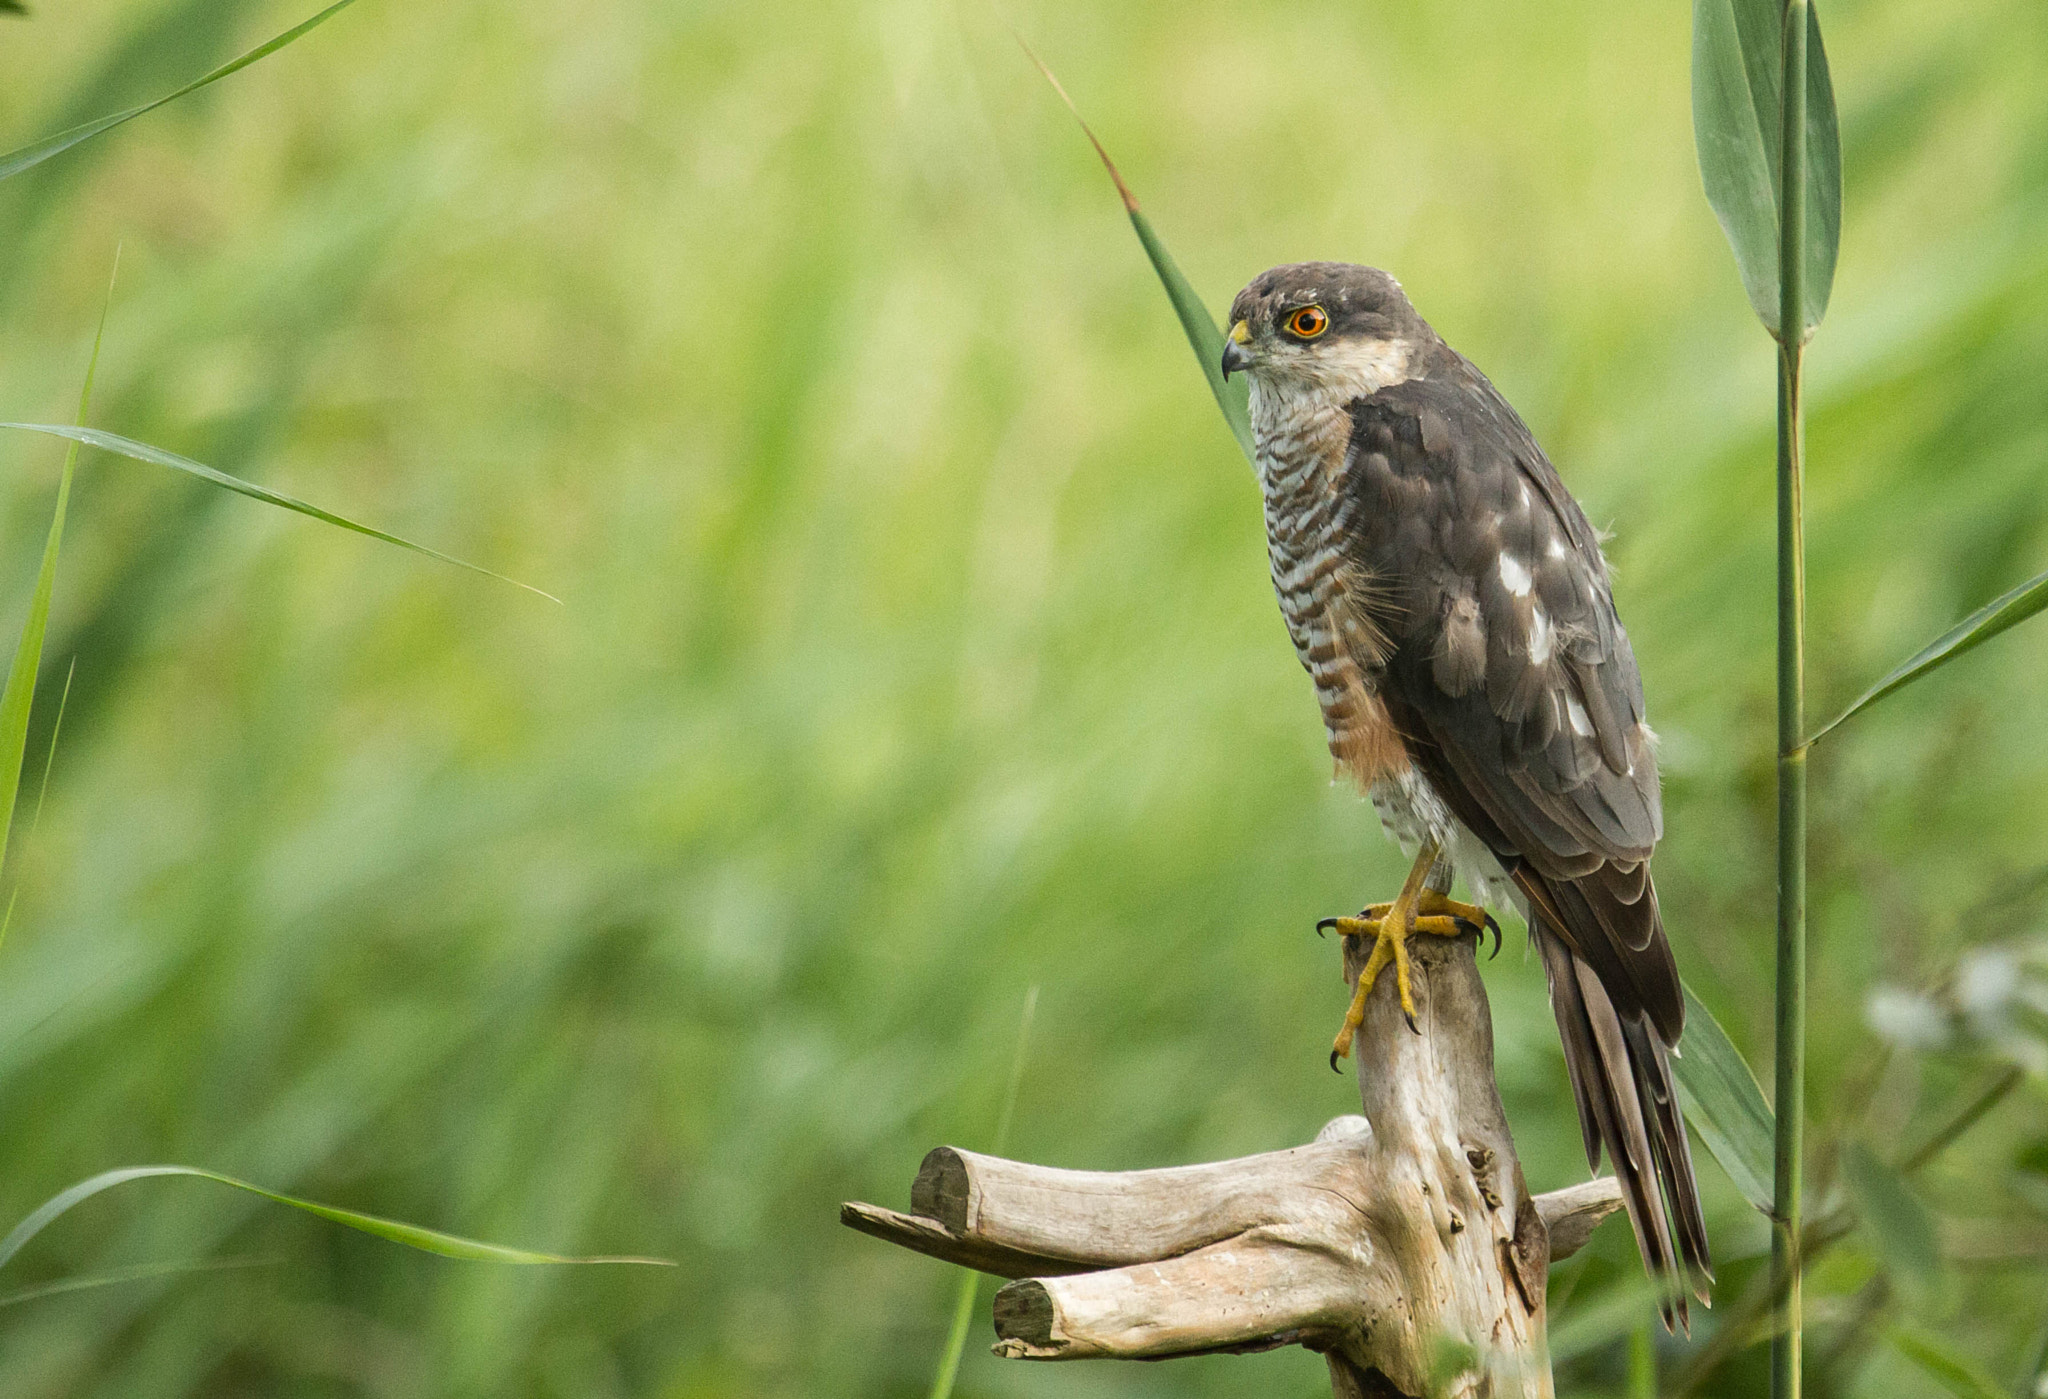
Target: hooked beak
(1235, 357)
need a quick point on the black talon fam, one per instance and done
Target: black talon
(1325, 925)
(1494, 928)
(1333, 1063)
(1411, 1022)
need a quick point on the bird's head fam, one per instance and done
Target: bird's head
(1331, 327)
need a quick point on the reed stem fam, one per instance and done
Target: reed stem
(1791, 1006)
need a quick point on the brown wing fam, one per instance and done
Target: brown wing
(1511, 678)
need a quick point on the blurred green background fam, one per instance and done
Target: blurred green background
(918, 649)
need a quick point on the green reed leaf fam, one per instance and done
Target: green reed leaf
(2002, 613)
(19, 695)
(1737, 74)
(1947, 1369)
(1724, 1103)
(411, 1235)
(16, 161)
(142, 451)
(1895, 1221)
(50, 754)
(970, 1280)
(1204, 338)
(141, 1272)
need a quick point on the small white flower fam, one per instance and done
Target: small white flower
(1906, 1018)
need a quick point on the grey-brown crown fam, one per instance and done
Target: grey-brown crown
(1360, 301)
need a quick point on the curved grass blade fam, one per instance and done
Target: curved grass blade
(20, 692)
(411, 1235)
(50, 754)
(1945, 1368)
(141, 1272)
(1724, 1104)
(1195, 321)
(1895, 1221)
(1737, 75)
(142, 451)
(2002, 613)
(970, 1280)
(16, 161)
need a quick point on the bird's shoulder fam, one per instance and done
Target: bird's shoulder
(1498, 601)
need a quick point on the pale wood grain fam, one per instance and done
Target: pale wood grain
(1404, 1243)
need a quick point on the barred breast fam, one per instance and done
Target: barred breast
(1328, 601)
(1324, 597)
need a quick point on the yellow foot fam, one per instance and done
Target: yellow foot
(1390, 925)
(1431, 904)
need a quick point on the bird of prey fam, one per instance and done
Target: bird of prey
(1450, 601)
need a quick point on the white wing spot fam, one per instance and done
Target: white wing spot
(1515, 575)
(1557, 549)
(1581, 725)
(1542, 637)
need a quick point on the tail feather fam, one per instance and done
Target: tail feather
(1673, 1152)
(1621, 1079)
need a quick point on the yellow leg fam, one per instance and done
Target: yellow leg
(1417, 909)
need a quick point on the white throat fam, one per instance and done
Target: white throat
(1299, 397)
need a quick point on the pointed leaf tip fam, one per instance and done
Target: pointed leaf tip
(1724, 1103)
(19, 695)
(411, 1235)
(2002, 613)
(142, 451)
(36, 152)
(1123, 190)
(1737, 78)
(1203, 335)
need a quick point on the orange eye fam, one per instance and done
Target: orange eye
(1308, 322)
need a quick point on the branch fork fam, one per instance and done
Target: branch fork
(1403, 1244)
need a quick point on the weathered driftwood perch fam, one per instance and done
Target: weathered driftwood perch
(1402, 1244)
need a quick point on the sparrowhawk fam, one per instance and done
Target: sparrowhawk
(1450, 601)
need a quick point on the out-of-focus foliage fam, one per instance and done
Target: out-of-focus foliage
(918, 648)
(27, 157)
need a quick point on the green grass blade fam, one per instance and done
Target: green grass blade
(970, 1281)
(1724, 1104)
(1895, 1221)
(1736, 80)
(20, 692)
(16, 161)
(1944, 1367)
(142, 451)
(141, 1272)
(1234, 399)
(411, 1235)
(2002, 613)
(1195, 321)
(50, 755)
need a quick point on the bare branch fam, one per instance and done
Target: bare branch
(1403, 1243)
